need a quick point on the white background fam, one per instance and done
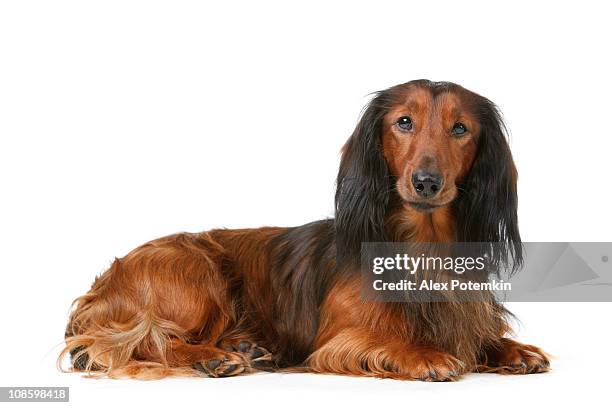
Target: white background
(123, 121)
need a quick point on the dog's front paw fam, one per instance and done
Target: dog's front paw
(428, 364)
(512, 357)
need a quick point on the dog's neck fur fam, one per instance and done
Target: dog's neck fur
(460, 328)
(411, 225)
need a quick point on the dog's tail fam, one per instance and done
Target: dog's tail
(102, 347)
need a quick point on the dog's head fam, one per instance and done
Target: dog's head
(428, 147)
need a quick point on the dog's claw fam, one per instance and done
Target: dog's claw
(244, 346)
(213, 363)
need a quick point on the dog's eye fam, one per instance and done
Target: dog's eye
(459, 129)
(404, 123)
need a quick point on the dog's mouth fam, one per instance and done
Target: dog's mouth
(412, 200)
(424, 207)
(427, 206)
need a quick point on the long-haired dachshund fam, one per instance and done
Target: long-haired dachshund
(427, 162)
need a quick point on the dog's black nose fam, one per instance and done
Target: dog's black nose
(427, 184)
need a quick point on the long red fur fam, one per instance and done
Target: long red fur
(174, 305)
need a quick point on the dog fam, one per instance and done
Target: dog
(427, 162)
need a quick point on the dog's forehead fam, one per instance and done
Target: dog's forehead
(424, 101)
(448, 97)
(416, 100)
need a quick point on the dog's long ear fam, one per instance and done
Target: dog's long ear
(363, 185)
(487, 207)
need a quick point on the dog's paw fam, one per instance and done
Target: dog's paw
(431, 365)
(512, 357)
(258, 357)
(223, 365)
